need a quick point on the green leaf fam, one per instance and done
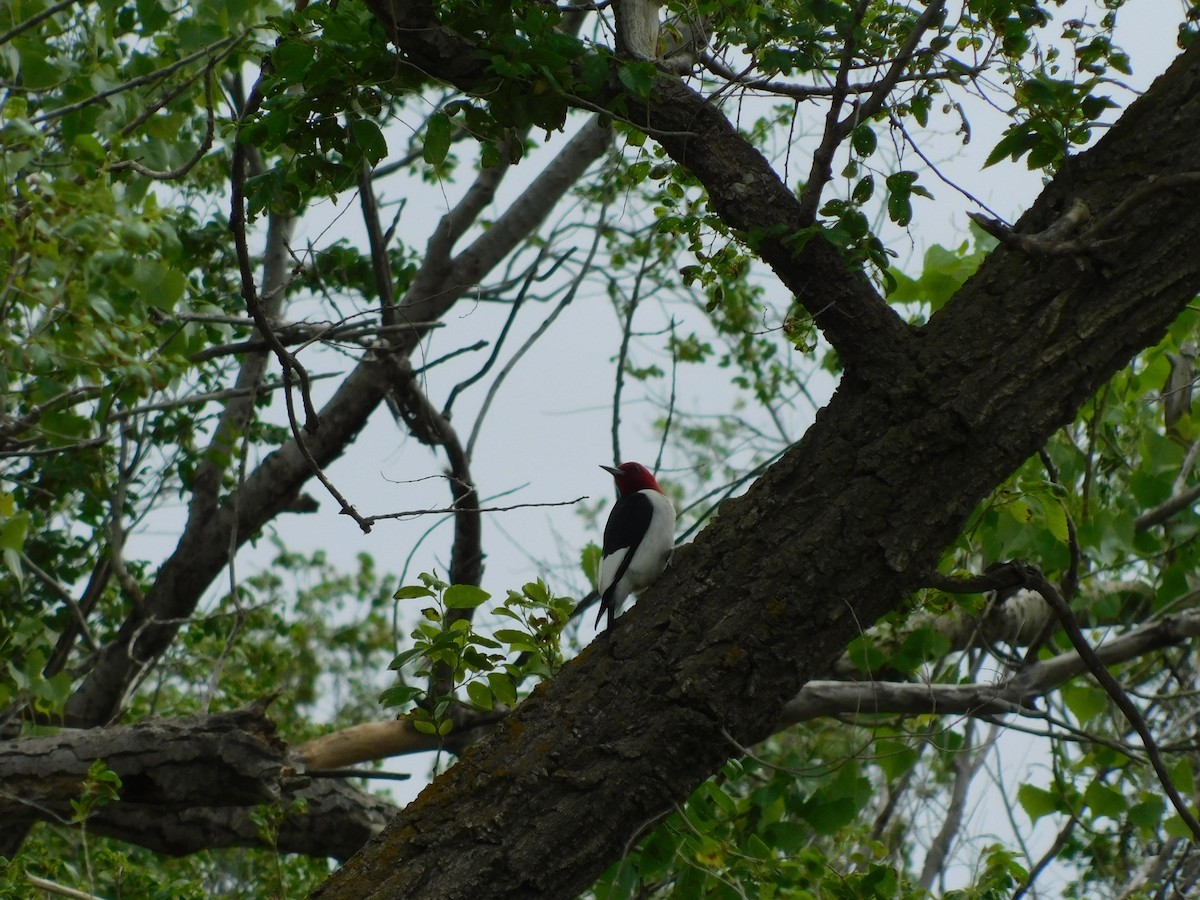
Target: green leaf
(1182, 776)
(517, 640)
(437, 139)
(1016, 141)
(1105, 801)
(399, 695)
(863, 140)
(1055, 515)
(370, 140)
(1037, 802)
(895, 758)
(590, 563)
(720, 799)
(13, 531)
(1147, 814)
(89, 147)
(465, 596)
(503, 688)
(412, 592)
(828, 815)
(1085, 701)
(537, 592)
(402, 659)
(425, 726)
(638, 77)
(1175, 827)
(480, 694)
(864, 189)
(757, 849)
(152, 15)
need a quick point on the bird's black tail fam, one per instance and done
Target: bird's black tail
(607, 605)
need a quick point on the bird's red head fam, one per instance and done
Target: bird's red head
(632, 477)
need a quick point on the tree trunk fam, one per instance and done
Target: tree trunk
(924, 424)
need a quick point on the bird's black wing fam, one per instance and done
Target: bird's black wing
(627, 525)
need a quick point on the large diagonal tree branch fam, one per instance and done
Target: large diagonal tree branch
(832, 536)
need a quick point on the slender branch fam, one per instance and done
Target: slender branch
(148, 78)
(64, 595)
(835, 131)
(517, 303)
(1038, 582)
(662, 444)
(817, 91)
(305, 334)
(126, 469)
(1069, 237)
(380, 266)
(14, 427)
(622, 355)
(347, 509)
(358, 773)
(883, 88)
(966, 766)
(34, 20)
(237, 224)
(1060, 841)
(1164, 511)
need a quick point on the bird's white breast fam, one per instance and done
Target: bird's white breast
(655, 549)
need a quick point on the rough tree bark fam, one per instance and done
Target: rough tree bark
(834, 535)
(188, 784)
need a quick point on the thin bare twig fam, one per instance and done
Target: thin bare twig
(410, 513)
(662, 444)
(125, 470)
(1064, 834)
(377, 242)
(531, 276)
(14, 427)
(869, 107)
(966, 766)
(537, 333)
(838, 128)
(357, 773)
(821, 169)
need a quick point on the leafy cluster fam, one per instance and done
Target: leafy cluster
(454, 656)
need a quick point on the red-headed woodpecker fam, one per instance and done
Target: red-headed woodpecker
(638, 538)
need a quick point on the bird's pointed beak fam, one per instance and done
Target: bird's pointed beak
(615, 473)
